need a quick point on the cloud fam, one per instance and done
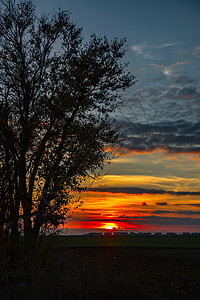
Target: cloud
(167, 69)
(177, 212)
(167, 45)
(187, 204)
(161, 203)
(148, 51)
(188, 93)
(159, 220)
(196, 52)
(184, 80)
(141, 221)
(179, 93)
(141, 49)
(179, 137)
(170, 79)
(171, 66)
(178, 63)
(167, 100)
(140, 191)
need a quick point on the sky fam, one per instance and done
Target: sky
(154, 183)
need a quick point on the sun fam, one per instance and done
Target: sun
(109, 227)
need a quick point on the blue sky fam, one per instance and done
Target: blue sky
(160, 113)
(163, 36)
(148, 25)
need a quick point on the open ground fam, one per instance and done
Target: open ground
(109, 267)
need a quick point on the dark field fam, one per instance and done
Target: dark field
(107, 268)
(129, 241)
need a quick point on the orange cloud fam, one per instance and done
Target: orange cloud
(123, 151)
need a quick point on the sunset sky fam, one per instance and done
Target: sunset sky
(154, 185)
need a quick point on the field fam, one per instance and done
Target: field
(177, 241)
(110, 267)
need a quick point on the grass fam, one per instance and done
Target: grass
(108, 267)
(129, 241)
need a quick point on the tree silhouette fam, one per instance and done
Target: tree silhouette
(56, 95)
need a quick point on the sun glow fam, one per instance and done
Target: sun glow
(109, 226)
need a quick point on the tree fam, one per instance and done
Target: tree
(56, 95)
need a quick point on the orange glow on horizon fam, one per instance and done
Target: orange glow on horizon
(109, 226)
(107, 211)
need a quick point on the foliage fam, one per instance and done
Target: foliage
(56, 95)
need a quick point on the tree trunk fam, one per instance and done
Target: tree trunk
(29, 247)
(14, 251)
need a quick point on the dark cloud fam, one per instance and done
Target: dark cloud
(158, 220)
(188, 93)
(187, 204)
(171, 93)
(183, 80)
(178, 93)
(134, 190)
(144, 204)
(179, 212)
(165, 98)
(161, 203)
(177, 137)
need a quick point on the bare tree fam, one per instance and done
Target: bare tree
(56, 95)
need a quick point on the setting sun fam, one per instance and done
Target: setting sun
(109, 226)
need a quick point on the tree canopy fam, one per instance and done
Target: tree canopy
(57, 92)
